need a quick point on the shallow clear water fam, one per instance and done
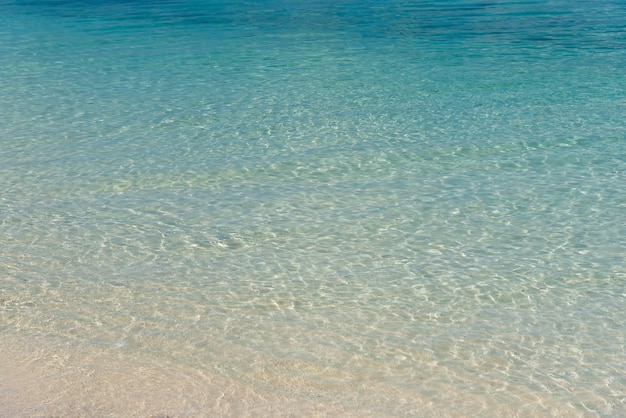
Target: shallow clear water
(341, 208)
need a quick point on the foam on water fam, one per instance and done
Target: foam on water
(372, 209)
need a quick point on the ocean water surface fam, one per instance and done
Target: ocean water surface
(293, 208)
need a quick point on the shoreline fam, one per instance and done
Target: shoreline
(90, 381)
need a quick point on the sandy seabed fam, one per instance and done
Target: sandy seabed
(67, 381)
(90, 382)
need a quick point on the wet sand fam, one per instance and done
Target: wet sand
(40, 381)
(90, 382)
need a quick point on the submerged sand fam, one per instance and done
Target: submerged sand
(92, 382)
(40, 381)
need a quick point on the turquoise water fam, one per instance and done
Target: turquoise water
(375, 208)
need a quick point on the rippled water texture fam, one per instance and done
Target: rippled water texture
(287, 208)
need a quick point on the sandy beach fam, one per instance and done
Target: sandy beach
(89, 382)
